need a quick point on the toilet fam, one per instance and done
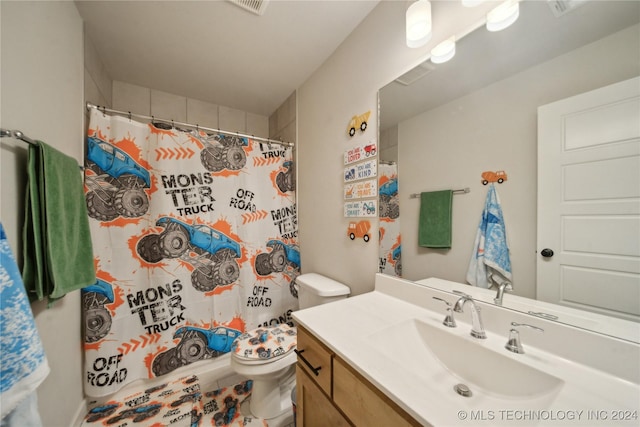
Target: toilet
(266, 354)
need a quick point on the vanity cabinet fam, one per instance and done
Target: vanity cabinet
(331, 393)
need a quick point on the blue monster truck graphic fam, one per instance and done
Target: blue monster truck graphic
(97, 319)
(210, 251)
(139, 413)
(225, 417)
(195, 344)
(281, 256)
(388, 192)
(286, 181)
(118, 187)
(223, 152)
(101, 412)
(277, 260)
(396, 255)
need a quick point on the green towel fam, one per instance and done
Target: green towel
(434, 228)
(58, 254)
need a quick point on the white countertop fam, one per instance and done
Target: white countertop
(347, 327)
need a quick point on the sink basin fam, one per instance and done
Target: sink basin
(436, 354)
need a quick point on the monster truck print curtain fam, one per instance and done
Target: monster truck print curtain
(194, 238)
(389, 212)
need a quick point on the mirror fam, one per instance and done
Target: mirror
(478, 112)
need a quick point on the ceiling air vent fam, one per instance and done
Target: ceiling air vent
(254, 6)
(560, 7)
(415, 73)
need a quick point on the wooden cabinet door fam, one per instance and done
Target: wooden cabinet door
(362, 403)
(313, 407)
(318, 358)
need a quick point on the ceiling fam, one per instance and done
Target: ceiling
(217, 52)
(483, 57)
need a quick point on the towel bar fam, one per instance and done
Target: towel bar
(462, 190)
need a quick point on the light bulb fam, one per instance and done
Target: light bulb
(418, 21)
(503, 16)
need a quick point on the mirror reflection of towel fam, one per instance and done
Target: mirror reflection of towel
(434, 227)
(490, 260)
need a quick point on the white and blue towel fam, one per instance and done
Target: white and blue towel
(23, 364)
(490, 263)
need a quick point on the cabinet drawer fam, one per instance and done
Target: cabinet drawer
(318, 359)
(362, 403)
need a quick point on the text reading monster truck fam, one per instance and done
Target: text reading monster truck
(268, 152)
(190, 194)
(243, 200)
(283, 318)
(286, 219)
(137, 401)
(159, 307)
(106, 371)
(259, 298)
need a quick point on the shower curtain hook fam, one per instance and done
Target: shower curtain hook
(129, 116)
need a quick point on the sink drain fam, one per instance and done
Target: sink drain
(462, 390)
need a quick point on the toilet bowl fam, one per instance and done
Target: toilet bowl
(266, 354)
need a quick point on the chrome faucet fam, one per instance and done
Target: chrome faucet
(477, 330)
(504, 286)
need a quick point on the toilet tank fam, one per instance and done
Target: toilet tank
(315, 289)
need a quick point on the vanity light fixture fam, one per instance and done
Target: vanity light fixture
(444, 51)
(418, 21)
(503, 16)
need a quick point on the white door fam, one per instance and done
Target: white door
(589, 201)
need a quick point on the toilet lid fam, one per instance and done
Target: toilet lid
(265, 343)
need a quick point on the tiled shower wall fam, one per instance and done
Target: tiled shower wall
(282, 123)
(101, 90)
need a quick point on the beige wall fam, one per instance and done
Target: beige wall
(42, 95)
(438, 152)
(347, 84)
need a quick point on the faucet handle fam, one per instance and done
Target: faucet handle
(448, 321)
(514, 344)
(462, 294)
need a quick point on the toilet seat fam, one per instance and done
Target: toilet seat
(264, 345)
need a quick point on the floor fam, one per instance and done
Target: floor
(192, 396)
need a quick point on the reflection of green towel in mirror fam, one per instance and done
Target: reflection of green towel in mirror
(434, 228)
(58, 254)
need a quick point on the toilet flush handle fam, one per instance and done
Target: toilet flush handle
(316, 371)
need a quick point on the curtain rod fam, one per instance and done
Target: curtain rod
(462, 190)
(197, 127)
(16, 134)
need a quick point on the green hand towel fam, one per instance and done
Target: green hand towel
(58, 254)
(434, 228)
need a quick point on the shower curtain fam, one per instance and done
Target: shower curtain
(195, 242)
(389, 210)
